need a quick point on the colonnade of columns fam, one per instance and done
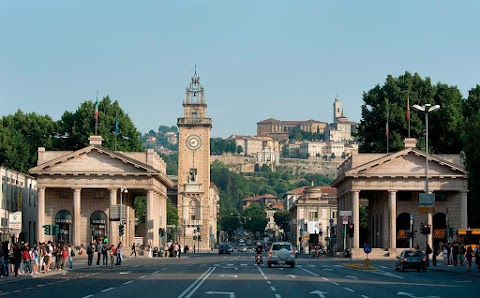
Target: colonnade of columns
(156, 211)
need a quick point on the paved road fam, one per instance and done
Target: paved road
(211, 275)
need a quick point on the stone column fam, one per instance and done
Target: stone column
(392, 206)
(41, 215)
(112, 226)
(77, 216)
(463, 210)
(356, 217)
(150, 218)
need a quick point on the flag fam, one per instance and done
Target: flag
(95, 115)
(116, 125)
(408, 108)
(386, 130)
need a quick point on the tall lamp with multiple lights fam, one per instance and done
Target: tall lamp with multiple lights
(122, 222)
(426, 109)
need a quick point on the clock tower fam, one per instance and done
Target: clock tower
(196, 210)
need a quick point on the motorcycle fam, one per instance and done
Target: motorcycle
(258, 259)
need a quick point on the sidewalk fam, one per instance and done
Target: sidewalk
(455, 269)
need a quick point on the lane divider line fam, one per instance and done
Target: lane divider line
(106, 290)
(191, 287)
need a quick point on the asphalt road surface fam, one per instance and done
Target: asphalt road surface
(236, 275)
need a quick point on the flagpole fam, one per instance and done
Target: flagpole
(408, 113)
(386, 129)
(116, 130)
(96, 115)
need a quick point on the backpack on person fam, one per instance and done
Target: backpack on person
(72, 252)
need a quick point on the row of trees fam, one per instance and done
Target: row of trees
(455, 126)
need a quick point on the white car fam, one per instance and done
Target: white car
(242, 247)
(281, 253)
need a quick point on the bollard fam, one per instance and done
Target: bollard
(367, 263)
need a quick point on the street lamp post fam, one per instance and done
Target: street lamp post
(122, 222)
(426, 109)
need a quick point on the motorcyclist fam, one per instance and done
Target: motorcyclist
(259, 248)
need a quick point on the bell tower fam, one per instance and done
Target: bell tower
(194, 210)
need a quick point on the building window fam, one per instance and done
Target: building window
(312, 215)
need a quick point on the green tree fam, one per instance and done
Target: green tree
(255, 219)
(140, 207)
(282, 219)
(471, 143)
(229, 220)
(172, 213)
(391, 99)
(77, 127)
(239, 150)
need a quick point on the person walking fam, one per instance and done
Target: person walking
(90, 251)
(71, 254)
(468, 257)
(105, 254)
(476, 253)
(119, 254)
(26, 257)
(99, 252)
(17, 258)
(113, 255)
(134, 250)
(149, 250)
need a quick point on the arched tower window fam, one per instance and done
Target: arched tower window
(194, 211)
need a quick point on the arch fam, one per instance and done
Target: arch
(63, 219)
(439, 228)
(98, 225)
(403, 223)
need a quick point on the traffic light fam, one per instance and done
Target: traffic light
(422, 230)
(121, 230)
(451, 231)
(350, 230)
(161, 232)
(407, 233)
(46, 229)
(427, 229)
(343, 233)
(56, 229)
(199, 238)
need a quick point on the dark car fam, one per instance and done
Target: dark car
(225, 249)
(411, 259)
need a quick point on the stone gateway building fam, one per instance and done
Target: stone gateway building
(88, 193)
(391, 184)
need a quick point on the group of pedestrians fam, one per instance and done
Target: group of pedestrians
(104, 252)
(21, 258)
(457, 254)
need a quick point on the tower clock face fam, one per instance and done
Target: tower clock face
(194, 142)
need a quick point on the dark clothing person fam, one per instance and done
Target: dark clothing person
(105, 254)
(17, 257)
(434, 255)
(134, 250)
(99, 252)
(90, 251)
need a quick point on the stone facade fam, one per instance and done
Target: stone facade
(197, 199)
(392, 183)
(84, 192)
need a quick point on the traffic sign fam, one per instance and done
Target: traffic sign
(344, 218)
(426, 199)
(345, 213)
(426, 209)
(331, 220)
(367, 249)
(211, 235)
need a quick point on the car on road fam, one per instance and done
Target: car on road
(242, 247)
(411, 259)
(281, 253)
(225, 249)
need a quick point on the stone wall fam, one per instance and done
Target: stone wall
(239, 164)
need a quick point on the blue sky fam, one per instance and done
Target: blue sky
(256, 59)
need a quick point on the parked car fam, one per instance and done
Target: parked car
(411, 259)
(242, 247)
(225, 249)
(281, 253)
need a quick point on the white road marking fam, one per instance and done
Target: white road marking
(106, 290)
(324, 278)
(230, 294)
(228, 275)
(351, 277)
(17, 291)
(462, 281)
(314, 274)
(328, 269)
(127, 282)
(319, 293)
(125, 272)
(229, 264)
(243, 264)
(273, 289)
(88, 296)
(269, 282)
(278, 296)
(141, 277)
(364, 296)
(196, 284)
(335, 283)
(413, 296)
(292, 276)
(350, 290)
(133, 266)
(156, 272)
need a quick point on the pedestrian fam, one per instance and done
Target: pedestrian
(428, 252)
(476, 252)
(113, 255)
(119, 251)
(26, 258)
(35, 260)
(434, 255)
(71, 254)
(99, 252)
(90, 251)
(445, 255)
(149, 250)
(455, 252)
(165, 250)
(134, 250)
(65, 256)
(17, 257)
(105, 254)
(468, 257)
(461, 254)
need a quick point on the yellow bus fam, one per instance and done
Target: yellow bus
(469, 237)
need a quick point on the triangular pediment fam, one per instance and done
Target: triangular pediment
(408, 162)
(93, 160)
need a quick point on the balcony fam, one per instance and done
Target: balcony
(194, 121)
